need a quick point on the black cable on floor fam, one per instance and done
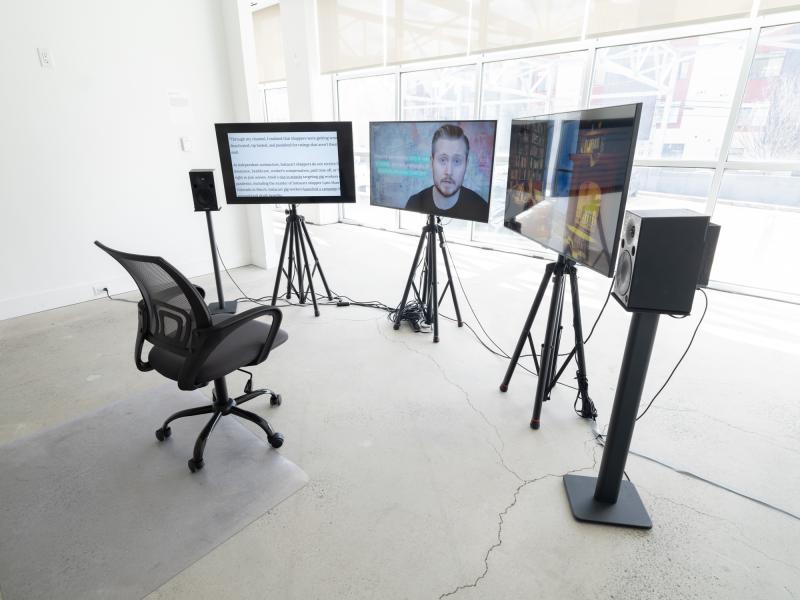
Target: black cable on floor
(600, 437)
(680, 360)
(502, 352)
(110, 297)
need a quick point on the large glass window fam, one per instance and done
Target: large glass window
(438, 94)
(669, 187)
(363, 100)
(523, 88)
(276, 104)
(760, 216)
(686, 87)
(706, 138)
(768, 125)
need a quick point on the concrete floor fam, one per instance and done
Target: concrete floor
(426, 481)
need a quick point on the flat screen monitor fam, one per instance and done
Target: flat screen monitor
(442, 168)
(287, 163)
(568, 177)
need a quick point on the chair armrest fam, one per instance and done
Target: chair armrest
(140, 337)
(206, 340)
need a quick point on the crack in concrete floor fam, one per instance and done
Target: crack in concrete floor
(523, 482)
(501, 522)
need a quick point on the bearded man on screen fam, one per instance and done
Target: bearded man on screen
(447, 196)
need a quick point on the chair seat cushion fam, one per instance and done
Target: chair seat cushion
(239, 349)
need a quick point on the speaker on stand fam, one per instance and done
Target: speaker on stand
(658, 269)
(204, 195)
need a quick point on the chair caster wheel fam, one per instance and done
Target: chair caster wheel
(195, 465)
(275, 400)
(275, 440)
(163, 433)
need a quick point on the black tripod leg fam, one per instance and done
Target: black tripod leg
(550, 346)
(301, 291)
(433, 297)
(526, 329)
(588, 410)
(310, 276)
(402, 305)
(426, 277)
(290, 264)
(533, 353)
(280, 263)
(449, 278)
(316, 260)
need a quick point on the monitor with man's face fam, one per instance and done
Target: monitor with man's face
(433, 167)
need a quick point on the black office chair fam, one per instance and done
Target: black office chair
(193, 347)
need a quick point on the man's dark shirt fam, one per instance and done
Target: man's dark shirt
(470, 206)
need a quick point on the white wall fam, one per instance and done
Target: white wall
(90, 148)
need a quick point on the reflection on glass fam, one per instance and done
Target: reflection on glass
(778, 188)
(530, 86)
(523, 88)
(768, 125)
(276, 101)
(438, 94)
(366, 99)
(686, 85)
(362, 100)
(668, 187)
(760, 216)
(567, 181)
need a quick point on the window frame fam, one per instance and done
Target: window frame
(754, 25)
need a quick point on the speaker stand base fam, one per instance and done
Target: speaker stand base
(228, 307)
(627, 511)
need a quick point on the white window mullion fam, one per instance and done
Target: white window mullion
(588, 74)
(741, 86)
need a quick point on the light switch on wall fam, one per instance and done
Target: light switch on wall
(45, 58)
(186, 144)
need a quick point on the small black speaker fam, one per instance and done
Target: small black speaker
(659, 260)
(203, 191)
(712, 237)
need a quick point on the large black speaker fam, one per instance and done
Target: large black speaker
(659, 260)
(203, 191)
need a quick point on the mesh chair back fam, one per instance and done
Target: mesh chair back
(174, 307)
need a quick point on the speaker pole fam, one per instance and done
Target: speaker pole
(220, 306)
(606, 498)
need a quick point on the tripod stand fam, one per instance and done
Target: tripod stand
(545, 370)
(429, 299)
(296, 235)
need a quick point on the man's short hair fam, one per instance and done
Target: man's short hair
(453, 132)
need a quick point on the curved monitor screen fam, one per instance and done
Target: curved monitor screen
(568, 177)
(291, 163)
(434, 167)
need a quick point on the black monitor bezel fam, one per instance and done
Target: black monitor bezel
(586, 115)
(344, 138)
(438, 213)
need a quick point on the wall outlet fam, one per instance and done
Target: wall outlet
(45, 58)
(99, 290)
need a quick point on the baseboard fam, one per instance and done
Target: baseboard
(82, 292)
